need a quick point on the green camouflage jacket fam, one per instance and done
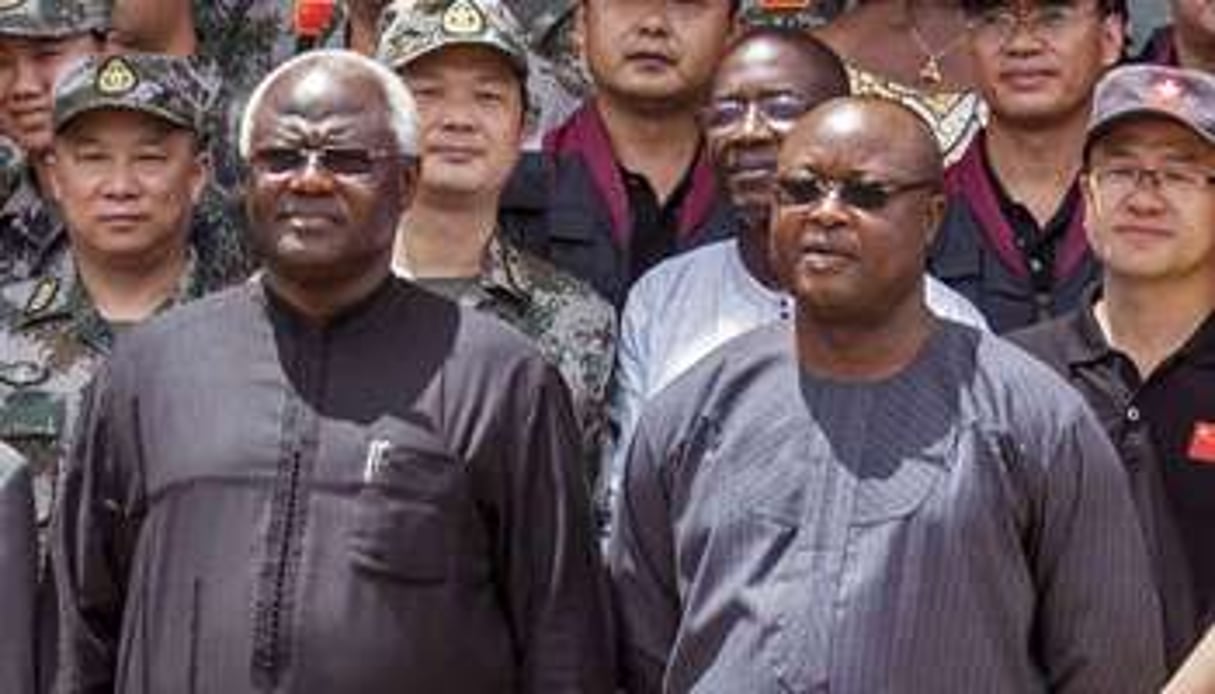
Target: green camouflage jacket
(568, 322)
(32, 236)
(52, 339)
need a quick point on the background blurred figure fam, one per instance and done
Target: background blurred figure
(39, 41)
(626, 181)
(790, 14)
(1013, 240)
(913, 52)
(18, 574)
(470, 82)
(1141, 346)
(1188, 42)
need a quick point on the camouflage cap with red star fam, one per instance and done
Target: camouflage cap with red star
(1186, 97)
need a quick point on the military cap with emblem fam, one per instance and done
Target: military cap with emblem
(1186, 97)
(171, 88)
(53, 18)
(410, 29)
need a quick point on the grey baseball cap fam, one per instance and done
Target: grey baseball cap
(1186, 97)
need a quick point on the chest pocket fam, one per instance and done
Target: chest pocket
(32, 416)
(409, 506)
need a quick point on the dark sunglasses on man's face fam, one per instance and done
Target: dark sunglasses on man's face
(340, 161)
(808, 188)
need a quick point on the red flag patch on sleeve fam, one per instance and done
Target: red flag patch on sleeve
(1202, 443)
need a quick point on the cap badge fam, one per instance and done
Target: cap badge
(1167, 93)
(116, 77)
(463, 17)
(42, 297)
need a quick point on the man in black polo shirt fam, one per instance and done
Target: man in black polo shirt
(1013, 239)
(1141, 347)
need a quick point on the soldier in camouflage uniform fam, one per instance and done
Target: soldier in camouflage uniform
(31, 234)
(52, 333)
(469, 139)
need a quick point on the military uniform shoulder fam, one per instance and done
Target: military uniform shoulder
(37, 297)
(541, 276)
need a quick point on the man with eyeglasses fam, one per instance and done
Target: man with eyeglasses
(1141, 346)
(1013, 240)
(328, 479)
(869, 498)
(690, 304)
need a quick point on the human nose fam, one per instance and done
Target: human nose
(121, 181)
(27, 80)
(311, 176)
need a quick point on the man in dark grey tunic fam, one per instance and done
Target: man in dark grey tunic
(328, 480)
(874, 499)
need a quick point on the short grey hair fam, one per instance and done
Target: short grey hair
(402, 110)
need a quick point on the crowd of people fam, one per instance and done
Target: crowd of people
(620, 346)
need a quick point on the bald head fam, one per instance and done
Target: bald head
(819, 71)
(870, 128)
(317, 78)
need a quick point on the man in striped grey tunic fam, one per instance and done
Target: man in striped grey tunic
(870, 498)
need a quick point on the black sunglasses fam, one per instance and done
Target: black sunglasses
(809, 188)
(340, 161)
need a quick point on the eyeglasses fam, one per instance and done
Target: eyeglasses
(1172, 181)
(338, 161)
(778, 109)
(1051, 22)
(808, 189)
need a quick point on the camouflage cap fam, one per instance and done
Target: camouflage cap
(169, 87)
(1186, 97)
(53, 18)
(410, 29)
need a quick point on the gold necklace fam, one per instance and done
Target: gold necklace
(930, 71)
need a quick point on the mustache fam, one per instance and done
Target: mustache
(321, 206)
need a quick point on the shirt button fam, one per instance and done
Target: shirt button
(1035, 265)
(1132, 414)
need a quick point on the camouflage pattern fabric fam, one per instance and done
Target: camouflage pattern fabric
(32, 237)
(410, 29)
(52, 339)
(171, 88)
(568, 322)
(790, 14)
(12, 168)
(243, 40)
(53, 18)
